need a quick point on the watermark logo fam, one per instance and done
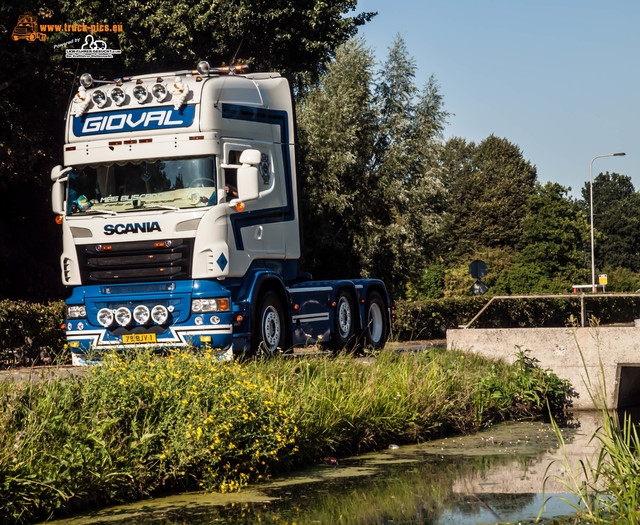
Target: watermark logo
(27, 29)
(92, 48)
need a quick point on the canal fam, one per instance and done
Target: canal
(493, 476)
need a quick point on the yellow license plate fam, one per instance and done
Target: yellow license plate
(134, 339)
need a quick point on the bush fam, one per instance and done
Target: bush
(30, 333)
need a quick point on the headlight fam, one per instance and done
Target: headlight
(99, 98)
(141, 314)
(118, 95)
(105, 317)
(159, 314)
(123, 316)
(76, 311)
(141, 94)
(199, 306)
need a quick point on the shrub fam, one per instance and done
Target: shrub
(30, 333)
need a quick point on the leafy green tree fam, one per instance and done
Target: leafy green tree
(551, 250)
(489, 187)
(371, 181)
(336, 131)
(293, 37)
(33, 93)
(616, 210)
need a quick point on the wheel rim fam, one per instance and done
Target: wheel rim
(375, 322)
(344, 317)
(271, 328)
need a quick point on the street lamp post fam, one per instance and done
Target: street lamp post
(593, 264)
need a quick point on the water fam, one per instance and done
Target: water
(494, 476)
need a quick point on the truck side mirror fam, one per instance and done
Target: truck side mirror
(58, 176)
(248, 189)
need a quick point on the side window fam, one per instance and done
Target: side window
(231, 174)
(230, 169)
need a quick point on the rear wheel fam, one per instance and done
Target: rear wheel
(343, 328)
(268, 332)
(376, 328)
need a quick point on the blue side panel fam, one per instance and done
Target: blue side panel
(271, 215)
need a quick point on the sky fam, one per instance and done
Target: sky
(559, 78)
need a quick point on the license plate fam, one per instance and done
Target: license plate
(134, 339)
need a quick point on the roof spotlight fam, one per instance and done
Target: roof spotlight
(203, 67)
(140, 93)
(86, 80)
(118, 95)
(159, 92)
(99, 98)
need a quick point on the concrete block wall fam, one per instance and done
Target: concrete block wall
(609, 354)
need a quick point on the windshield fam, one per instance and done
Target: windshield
(177, 183)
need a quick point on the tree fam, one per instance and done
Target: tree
(490, 184)
(293, 37)
(371, 178)
(616, 211)
(551, 250)
(336, 132)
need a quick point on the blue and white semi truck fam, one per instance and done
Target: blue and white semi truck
(178, 204)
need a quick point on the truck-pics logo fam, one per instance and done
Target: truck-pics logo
(137, 227)
(132, 120)
(27, 29)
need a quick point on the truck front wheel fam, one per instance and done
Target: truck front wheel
(268, 330)
(377, 329)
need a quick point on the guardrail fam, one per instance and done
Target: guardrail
(582, 297)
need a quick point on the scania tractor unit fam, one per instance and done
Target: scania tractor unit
(178, 203)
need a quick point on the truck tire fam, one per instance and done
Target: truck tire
(376, 328)
(343, 327)
(268, 332)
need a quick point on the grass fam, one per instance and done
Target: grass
(142, 424)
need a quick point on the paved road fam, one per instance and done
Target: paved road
(38, 373)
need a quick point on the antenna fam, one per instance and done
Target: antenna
(236, 53)
(73, 83)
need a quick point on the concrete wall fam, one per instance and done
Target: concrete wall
(560, 350)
